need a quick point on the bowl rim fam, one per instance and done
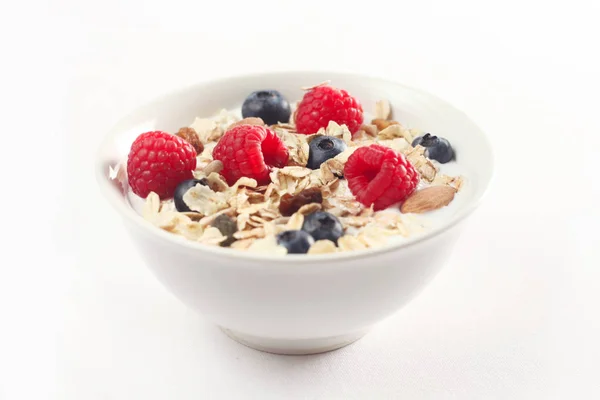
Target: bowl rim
(185, 244)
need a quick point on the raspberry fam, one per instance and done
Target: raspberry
(325, 103)
(250, 151)
(378, 175)
(158, 162)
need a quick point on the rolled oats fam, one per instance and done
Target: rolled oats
(383, 110)
(350, 243)
(323, 247)
(204, 200)
(267, 245)
(257, 214)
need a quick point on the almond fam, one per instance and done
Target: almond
(428, 199)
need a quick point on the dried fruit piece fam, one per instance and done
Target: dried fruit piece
(289, 204)
(227, 226)
(190, 136)
(428, 199)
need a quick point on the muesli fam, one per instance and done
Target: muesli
(314, 177)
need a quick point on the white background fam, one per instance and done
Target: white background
(512, 316)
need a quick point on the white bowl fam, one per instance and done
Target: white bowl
(297, 304)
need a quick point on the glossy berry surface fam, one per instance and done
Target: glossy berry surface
(322, 148)
(158, 162)
(436, 148)
(326, 103)
(379, 176)
(269, 105)
(250, 151)
(182, 189)
(296, 242)
(322, 225)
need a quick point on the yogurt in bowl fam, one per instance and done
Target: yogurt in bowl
(296, 236)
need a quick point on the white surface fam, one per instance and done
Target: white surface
(513, 315)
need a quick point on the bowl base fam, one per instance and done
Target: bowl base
(294, 346)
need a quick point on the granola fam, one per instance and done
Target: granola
(247, 215)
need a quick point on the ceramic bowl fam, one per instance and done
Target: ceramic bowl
(297, 304)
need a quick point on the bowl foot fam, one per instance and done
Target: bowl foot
(294, 346)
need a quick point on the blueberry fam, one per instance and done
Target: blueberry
(269, 105)
(436, 148)
(323, 225)
(181, 189)
(296, 242)
(227, 226)
(322, 148)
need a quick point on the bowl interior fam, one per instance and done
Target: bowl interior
(411, 107)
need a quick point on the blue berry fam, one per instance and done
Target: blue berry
(296, 242)
(322, 148)
(322, 225)
(181, 189)
(269, 105)
(436, 148)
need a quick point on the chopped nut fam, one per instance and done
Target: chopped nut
(190, 136)
(214, 166)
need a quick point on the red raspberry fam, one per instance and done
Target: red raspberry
(158, 162)
(250, 151)
(378, 175)
(326, 103)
